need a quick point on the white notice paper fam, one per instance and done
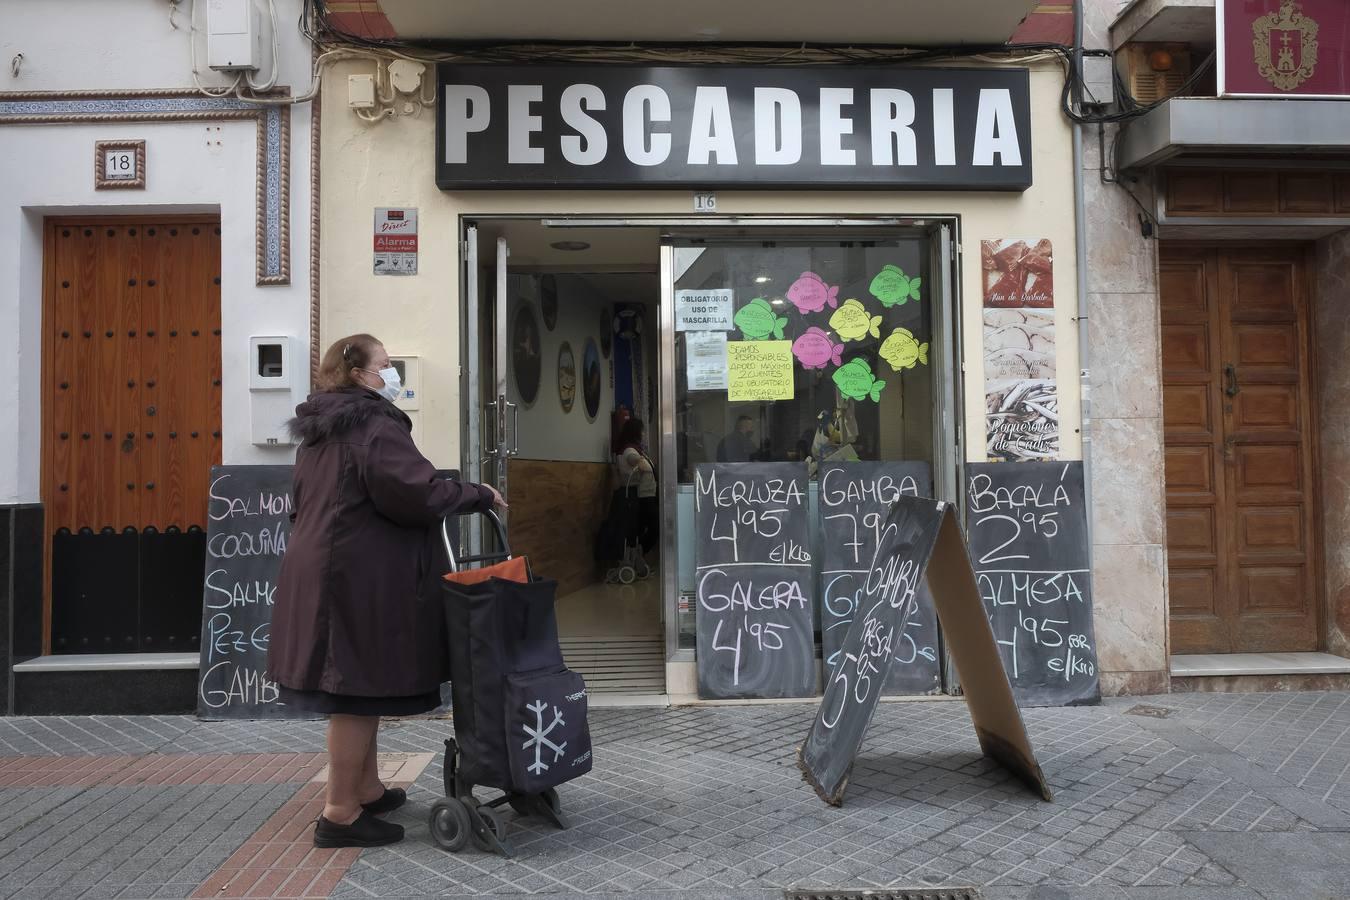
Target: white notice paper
(705, 361)
(709, 310)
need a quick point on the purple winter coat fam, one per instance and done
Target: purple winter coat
(358, 608)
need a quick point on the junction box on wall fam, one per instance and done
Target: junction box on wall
(234, 36)
(270, 380)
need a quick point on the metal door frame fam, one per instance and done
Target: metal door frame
(948, 424)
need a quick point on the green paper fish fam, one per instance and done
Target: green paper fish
(856, 381)
(852, 322)
(893, 287)
(902, 350)
(758, 322)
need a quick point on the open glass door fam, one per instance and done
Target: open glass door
(490, 434)
(503, 414)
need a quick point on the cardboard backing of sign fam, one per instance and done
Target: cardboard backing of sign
(826, 756)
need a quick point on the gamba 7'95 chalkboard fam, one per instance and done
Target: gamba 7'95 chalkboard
(754, 614)
(894, 571)
(248, 523)
(1027, 529)
(855, 502)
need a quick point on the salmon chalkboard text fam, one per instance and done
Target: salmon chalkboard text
(753, 570)
(247, 528)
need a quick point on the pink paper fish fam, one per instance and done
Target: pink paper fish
(810, 293)
(815, 350)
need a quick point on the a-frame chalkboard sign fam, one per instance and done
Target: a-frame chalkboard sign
(921, 539)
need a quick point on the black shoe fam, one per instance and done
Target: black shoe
(366, 831)
(390, 800)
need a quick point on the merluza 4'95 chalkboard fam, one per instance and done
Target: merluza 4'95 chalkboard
(921, 539)
(754, 619)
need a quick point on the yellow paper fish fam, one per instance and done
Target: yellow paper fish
(902, 350)
(852, 322)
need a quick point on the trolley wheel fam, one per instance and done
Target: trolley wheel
(495, 824)
(449, 824)
(627, 575)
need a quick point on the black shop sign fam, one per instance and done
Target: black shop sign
(708, 126)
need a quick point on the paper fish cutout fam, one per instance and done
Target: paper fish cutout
(856, 381)
(815, 350)
(810, 293)
(758, 322)
(903, 350)
(893, 287)
(852, 322)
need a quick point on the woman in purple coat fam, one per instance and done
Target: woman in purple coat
(357, 630)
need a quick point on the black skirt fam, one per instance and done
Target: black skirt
(327, 704)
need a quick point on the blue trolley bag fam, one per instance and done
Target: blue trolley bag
(519, 712)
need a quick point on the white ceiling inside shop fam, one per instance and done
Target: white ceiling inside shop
(904, 22)
(610, 249)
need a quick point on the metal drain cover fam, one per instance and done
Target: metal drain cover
(1153, 712)
(917, 893)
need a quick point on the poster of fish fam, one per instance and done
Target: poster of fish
(1019, 344)
(1022, 420)
(1018, 273)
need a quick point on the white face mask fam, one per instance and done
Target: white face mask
(393, 385)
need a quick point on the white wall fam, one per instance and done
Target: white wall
(546, 432)
(130, 45)
(392, 163)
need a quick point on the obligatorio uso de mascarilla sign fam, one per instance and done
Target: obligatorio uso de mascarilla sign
(630, 126)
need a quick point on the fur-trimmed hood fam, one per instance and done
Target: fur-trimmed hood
(335, 413)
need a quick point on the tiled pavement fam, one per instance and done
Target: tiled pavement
(1196, 796)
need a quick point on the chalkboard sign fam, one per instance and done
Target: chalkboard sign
(1027, 527)
(248, 523)
(855, 501)
(920, 543)
(754, 617)
(894, 572)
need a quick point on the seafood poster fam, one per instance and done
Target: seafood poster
(760, 370)
(1018, 344)
(1018, 273)
(705, 361)
(709, 310)
(1022, 420)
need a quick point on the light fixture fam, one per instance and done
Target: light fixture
(570, 245)
(762, 279)
(777, 301)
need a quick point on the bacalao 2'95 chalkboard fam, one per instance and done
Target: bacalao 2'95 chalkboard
(921, 540)
(754, 616)
(247, 528)
(1027, 526)
(855, 501)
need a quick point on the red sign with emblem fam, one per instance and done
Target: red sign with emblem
(1284, 48)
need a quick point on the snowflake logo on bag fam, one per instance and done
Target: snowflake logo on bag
(538, 736)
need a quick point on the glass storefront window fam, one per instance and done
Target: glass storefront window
(858, 317)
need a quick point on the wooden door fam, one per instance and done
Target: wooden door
(131, 426)
(1237, 414)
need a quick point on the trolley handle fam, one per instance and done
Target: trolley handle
(457, 562)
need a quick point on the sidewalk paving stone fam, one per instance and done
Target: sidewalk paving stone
(707, 802)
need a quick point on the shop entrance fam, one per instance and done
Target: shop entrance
(572, 323)
(567, 354)
(131, 412)
(1241, 526)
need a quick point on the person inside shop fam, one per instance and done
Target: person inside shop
(740, 444)
(636, 469)
(356, 625)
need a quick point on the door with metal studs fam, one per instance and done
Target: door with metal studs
(131, 427)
